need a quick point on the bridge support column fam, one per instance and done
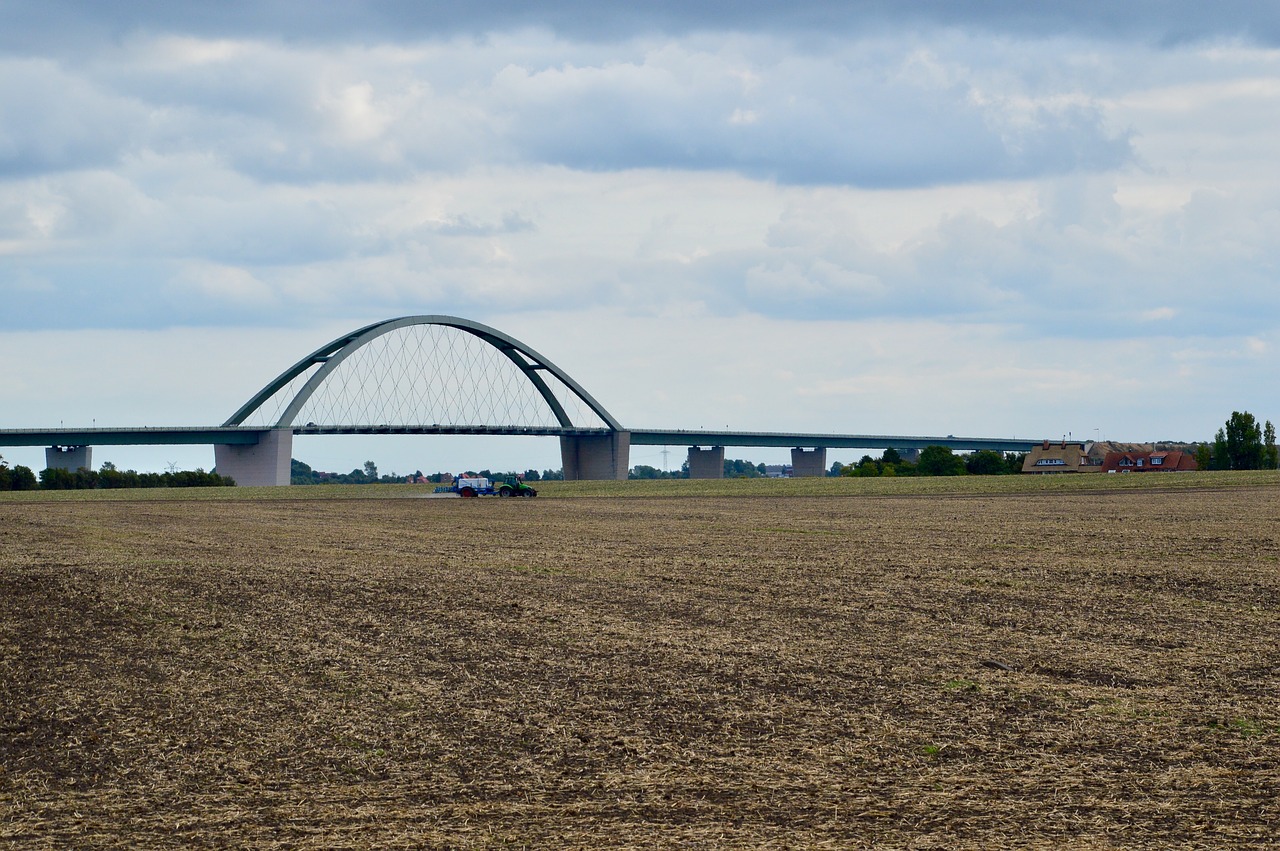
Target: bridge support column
(263, 463)
(808, 462)
(68, 457)
(596, 457)
(706, 463)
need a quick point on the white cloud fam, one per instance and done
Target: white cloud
(222, 284)
(1158, 314)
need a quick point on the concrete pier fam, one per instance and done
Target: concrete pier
(68, 458)
(600, 457)
(263, 463)
(706, 463)
(808, 462)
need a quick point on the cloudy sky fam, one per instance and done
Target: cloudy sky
(995, 219)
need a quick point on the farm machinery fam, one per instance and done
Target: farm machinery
(469, 486)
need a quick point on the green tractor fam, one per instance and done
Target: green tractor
(514, 487)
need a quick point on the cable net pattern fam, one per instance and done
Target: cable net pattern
(427, 375)
(268, 413)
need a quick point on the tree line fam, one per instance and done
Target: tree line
(1241, 444)
(937, 461)
(301, 473)
(21, 478)
(17, 478)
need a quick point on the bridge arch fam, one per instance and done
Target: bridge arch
(325, 362)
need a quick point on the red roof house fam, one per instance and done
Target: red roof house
(1171, 461)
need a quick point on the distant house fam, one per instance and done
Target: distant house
(1061, 457)
(1171, 461)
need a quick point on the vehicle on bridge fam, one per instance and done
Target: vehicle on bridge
(472, 486)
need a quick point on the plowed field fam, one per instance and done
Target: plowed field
(1034, 670)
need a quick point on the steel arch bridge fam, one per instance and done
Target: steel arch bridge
(436, 374)
(342, 387)
(429, 374)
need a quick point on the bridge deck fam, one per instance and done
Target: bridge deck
(141, 436)
(700, 437)
(240, 435)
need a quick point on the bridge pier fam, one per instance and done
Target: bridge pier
(600, 457)
(68, 457)
(706, 463)
(808, 462)
(263, 463)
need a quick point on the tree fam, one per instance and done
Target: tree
(1219, 459)
(371, 471)
(57, 479)
(1270, 453)
(1204, 456)
(939, 461)
(1239, 444)
(739, 469)
(300, 473)
(985, 462)
(22, 479)
(867, 467)
(110, 478)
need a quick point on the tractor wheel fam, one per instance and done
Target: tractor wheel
(504, 491)
(529, 492)
(467, 492)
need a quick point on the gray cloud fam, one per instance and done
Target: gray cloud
(868, 114)
(51, 120)
(465, 226)
(68, 22)
(1075, 264)
(819, 123)
(157, 179)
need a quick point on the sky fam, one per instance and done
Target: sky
(994, 219)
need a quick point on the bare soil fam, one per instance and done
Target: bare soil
(1086, 670)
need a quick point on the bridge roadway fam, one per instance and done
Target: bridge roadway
(701, 437)
(244, 435)
(261, 456)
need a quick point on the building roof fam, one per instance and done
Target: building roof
(1062, 457)
(1171, 461)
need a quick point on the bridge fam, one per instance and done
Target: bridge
(437, 374)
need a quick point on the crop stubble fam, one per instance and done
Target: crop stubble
(1092, 670)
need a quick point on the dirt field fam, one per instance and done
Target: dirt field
(1086, 670)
